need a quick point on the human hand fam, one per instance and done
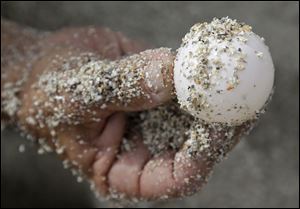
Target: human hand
(90, 138)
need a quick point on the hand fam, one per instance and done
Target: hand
(94, 146)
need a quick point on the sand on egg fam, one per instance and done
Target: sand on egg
(223, 72)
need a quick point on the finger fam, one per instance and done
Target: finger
(108, 145)
(191, 172)
(137, 82)
(170, 175)
(124, 176)
(149, 83)
(76, 153)
(157, 180)
(183, 173)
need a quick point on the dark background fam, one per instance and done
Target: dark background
(263, 170)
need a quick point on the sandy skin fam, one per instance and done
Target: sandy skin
(94, 147)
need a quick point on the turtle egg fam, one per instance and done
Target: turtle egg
(223, 72)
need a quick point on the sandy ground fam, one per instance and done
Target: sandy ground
(263, 170)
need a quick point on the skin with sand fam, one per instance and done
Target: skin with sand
(108, 108)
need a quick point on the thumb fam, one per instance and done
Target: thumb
(146, 80)
(84, 86)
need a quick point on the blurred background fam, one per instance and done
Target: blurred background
(262, 171)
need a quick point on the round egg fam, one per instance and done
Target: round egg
(223, 72)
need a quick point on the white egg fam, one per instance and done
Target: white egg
(223, 72)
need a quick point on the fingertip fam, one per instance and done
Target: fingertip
(158, 79)
(124, 175)
(157, 82)
(108, 146)
(157, 181)
(190, 173)
(150, 81)
(113, 131)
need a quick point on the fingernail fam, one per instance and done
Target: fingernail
(158, 72)
(153, 77)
